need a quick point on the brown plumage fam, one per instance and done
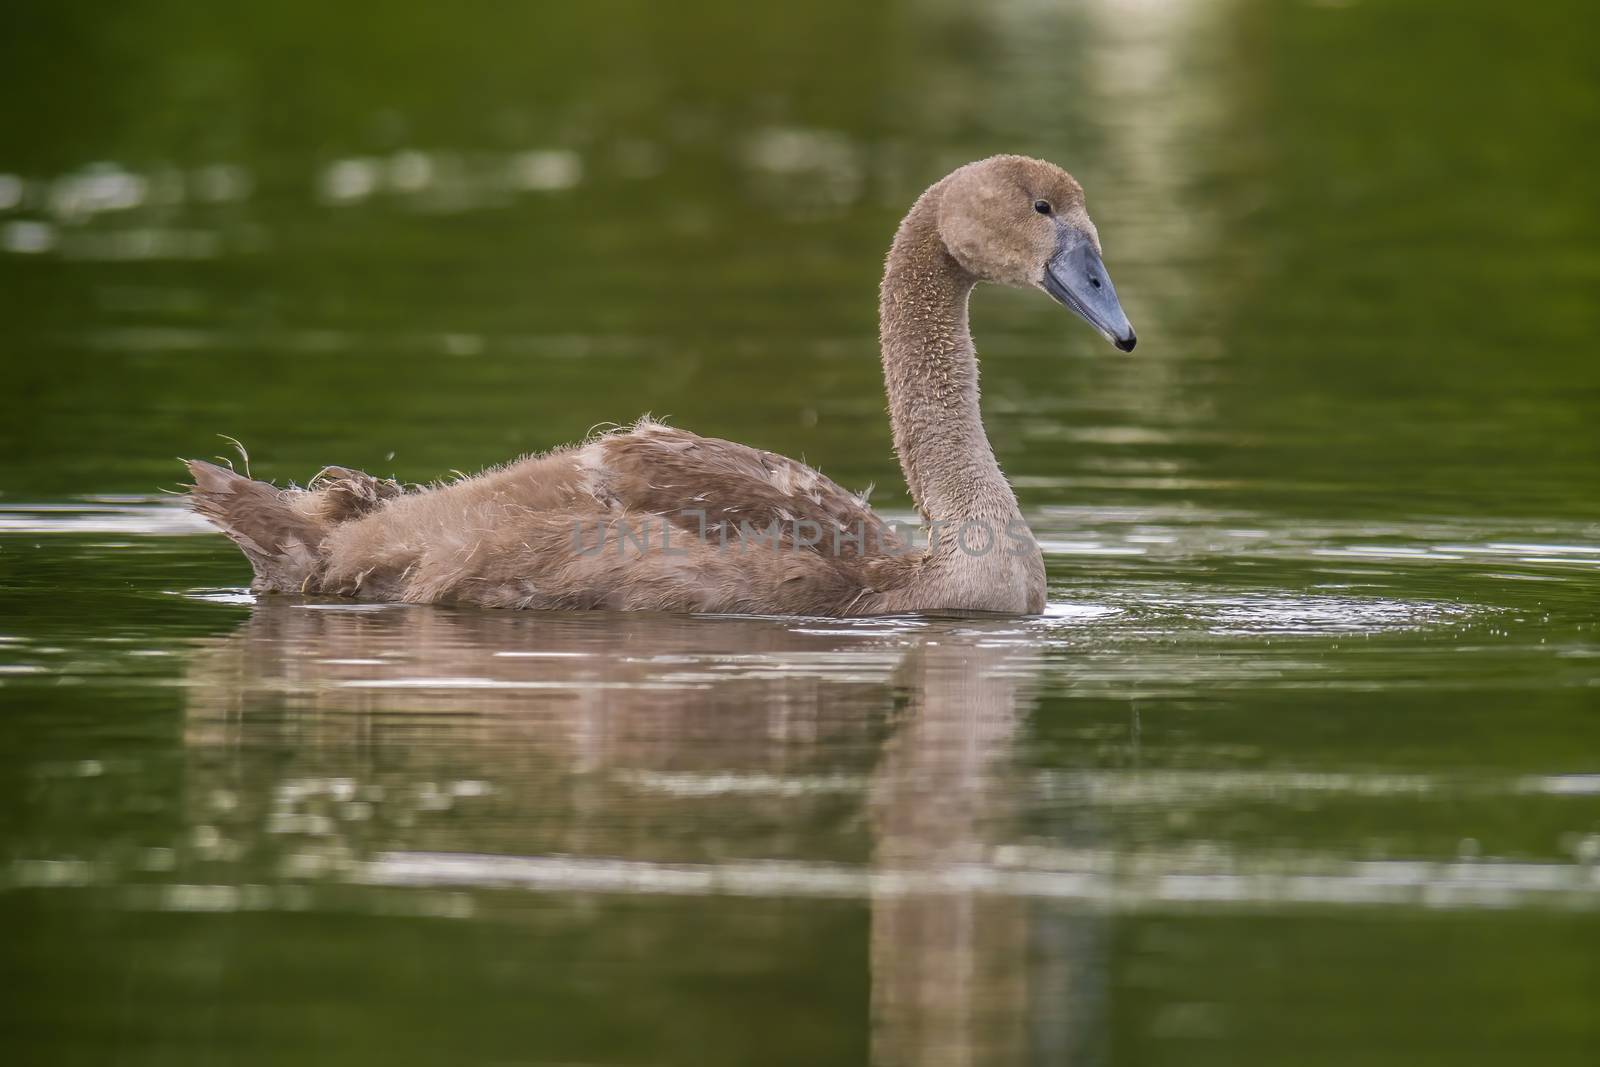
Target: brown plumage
(657, 518)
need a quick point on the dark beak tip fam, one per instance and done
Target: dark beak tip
(1127, 343)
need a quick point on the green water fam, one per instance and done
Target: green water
(1301, 766)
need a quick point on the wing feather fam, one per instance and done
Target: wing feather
(662, 470)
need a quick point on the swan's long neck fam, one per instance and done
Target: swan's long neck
(930, 371)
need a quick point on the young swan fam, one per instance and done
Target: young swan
(661, 519)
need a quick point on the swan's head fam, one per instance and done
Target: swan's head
(1020, 221)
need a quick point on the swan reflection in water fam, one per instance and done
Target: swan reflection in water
(398, 746)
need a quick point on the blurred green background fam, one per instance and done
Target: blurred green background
(1359, 240)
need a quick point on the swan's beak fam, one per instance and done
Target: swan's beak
(1076, 277)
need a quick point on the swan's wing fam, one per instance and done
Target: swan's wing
(724, 487)
(580, 528)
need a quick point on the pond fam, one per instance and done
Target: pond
(1301, 764)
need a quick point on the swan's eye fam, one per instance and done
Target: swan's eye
(1042, 207)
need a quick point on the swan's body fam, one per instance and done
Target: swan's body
(658, 518)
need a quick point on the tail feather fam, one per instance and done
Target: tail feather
(280, 540)
(339, 494)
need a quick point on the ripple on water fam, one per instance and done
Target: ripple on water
(1314, 615)
(1157, 532)
(131, 516)
(1118, 599)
